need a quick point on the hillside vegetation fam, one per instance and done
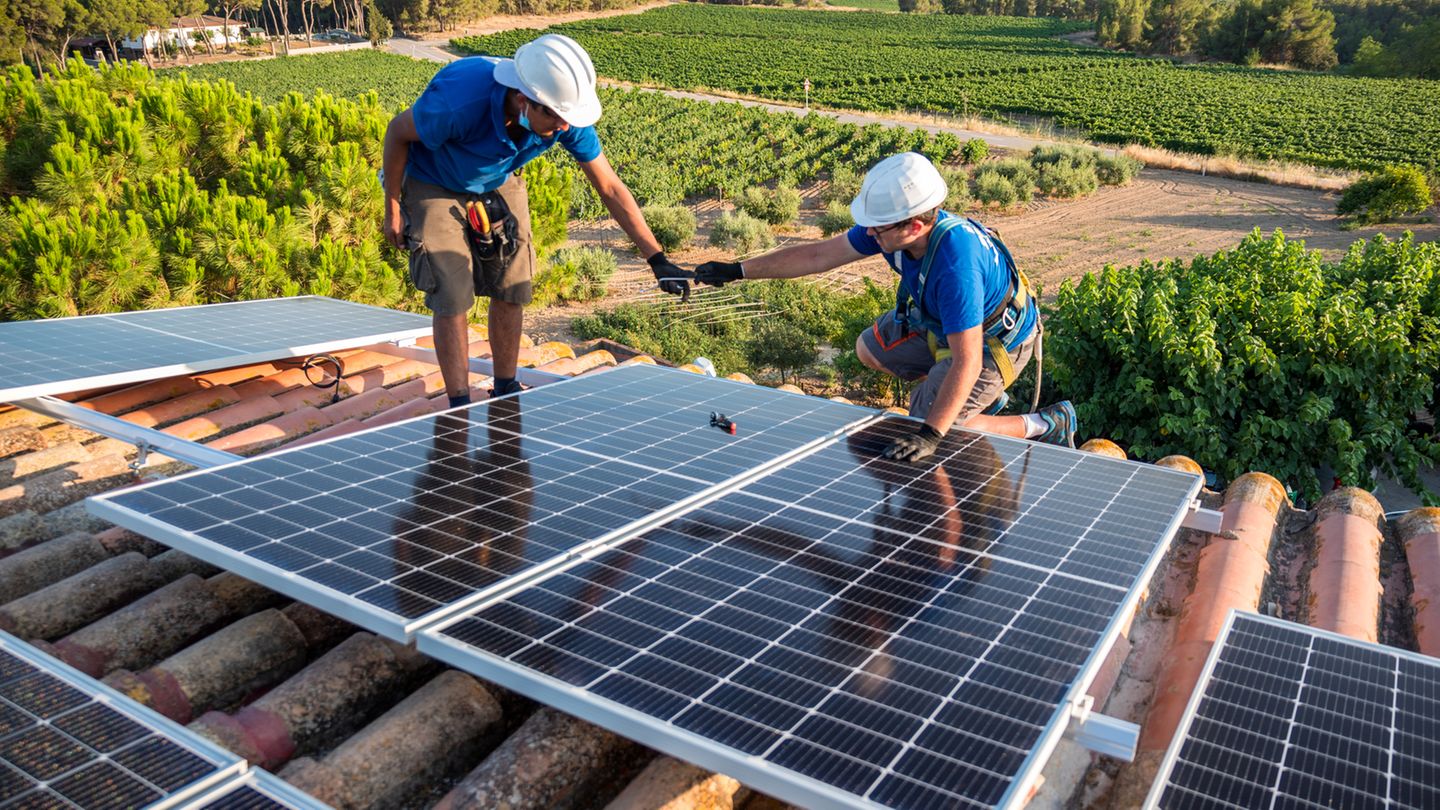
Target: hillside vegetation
(1004, 67)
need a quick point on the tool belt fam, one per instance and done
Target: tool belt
(493, 229)
(1002, 325)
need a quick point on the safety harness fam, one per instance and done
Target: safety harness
(1002, 325)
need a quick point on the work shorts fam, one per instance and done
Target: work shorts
(442, 265)
(907, 355)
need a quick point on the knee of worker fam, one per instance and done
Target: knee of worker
(863, 352)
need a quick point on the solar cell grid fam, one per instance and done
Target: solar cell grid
(258, 790)
(902, 635)
(1290, 716)
(68, 741)
(389, 526)
(68, 354)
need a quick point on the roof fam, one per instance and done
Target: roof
(357, 720)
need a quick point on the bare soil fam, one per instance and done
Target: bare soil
(1161, 215)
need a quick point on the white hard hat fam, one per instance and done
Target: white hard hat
(899, 187)
(555, 71)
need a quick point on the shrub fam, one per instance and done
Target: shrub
(673, 225)
(781, 344)
(995, 189)
(974, 151)
(574, 274)
(779, 206)
(740, 233)
(1381, 196)
(549, 188)
(943, 147)
(844, 186)
(958, 182)
(1067, 179)
(1117, 170)
(1264, 358)
(836, 218)
(1021, 174)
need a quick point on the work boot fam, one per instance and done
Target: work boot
(998, 405)
(503, 387)
(1059, 424)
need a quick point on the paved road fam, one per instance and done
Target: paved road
(420, 49)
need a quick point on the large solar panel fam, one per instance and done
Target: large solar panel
(69, 741)
(847, 630)
(70, 354)
(1290, 716)
(392, 526)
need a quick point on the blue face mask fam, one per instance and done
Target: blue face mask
(525, 120)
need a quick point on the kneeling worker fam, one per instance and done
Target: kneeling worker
(454, 196)
(964, 321)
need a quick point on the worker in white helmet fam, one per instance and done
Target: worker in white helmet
(964, 322)
(455, 198)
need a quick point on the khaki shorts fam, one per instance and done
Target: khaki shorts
(441, 263)
(906, 355)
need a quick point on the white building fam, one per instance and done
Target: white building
(221, 32)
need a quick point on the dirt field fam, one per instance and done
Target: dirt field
(1162, 215)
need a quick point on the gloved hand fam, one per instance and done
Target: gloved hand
(917, 445)
(673, 280)
(718, 274)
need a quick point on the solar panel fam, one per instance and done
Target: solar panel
(258, 790)
(388, 527)
(69, 741)
(1291, 716)
(70, 354)
(848, 630)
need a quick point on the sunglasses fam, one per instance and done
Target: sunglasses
(888, 228)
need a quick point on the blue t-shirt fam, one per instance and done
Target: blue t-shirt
(968, 277)
(463, 143)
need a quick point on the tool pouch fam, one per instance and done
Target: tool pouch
(495, 247)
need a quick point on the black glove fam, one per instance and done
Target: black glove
(917, 445)
(718, 274)
(672, 279)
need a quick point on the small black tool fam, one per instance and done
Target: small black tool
(723, 422)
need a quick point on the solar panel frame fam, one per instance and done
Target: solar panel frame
(225, 764)
(1245, 620)
(398, 627)
(760, 774)
(257, 790)
(208, 354)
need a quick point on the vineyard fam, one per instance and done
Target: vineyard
(1007, 67)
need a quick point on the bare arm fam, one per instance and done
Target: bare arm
(398, 137)
(621, 204)
(803, 260)
(968, 352)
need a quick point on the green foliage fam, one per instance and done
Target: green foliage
(740, 233)
(1065, 171)
(1005, 183)
(974, 151)
(837, 218)
(574, 274)
(652, 181)
(777, 206)
(1003, 66)
(1266, 358)
(673, 226)
(782, 345)
(1117, 170)
(995, 189)
(1384, 195)
(272, 200)
(844, 186)
(799, 317)
(548, 187)
(396, 80)
(958, 183)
